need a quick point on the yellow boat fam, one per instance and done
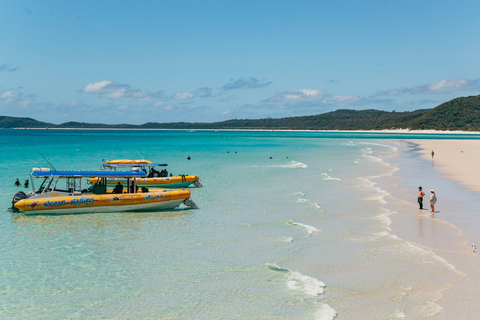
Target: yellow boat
(53, 197)
(152, 179)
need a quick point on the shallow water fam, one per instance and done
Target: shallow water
(304, 234)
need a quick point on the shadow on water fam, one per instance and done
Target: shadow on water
(100, 220)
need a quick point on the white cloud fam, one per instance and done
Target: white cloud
(439, 87)
(245, 83)
(342, 100)
(115, 91)
(9, 96)
(184, 96)
(297, 95)
(447, 86)
(159, 103)
(74, 103)
(96, 87)
(226, 113)
(16, 98)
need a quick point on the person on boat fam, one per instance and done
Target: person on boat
(26, 183)
(132, 189)
(17, 183)
(118, 188)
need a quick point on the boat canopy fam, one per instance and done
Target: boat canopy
(132, 163)
(89, 173)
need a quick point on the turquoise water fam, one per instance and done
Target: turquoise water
(290, 225)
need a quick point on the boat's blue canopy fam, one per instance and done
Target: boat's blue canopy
(90, 174)
(136, 165)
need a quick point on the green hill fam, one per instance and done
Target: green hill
(458, 114)
(14, 122)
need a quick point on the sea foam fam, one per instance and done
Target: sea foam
(325, 313)
(310, 202)
(309, 229)
(292, 164)
(327, 177)
(300, 282)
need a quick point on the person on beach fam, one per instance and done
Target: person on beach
(433, 153)
(421, 194)
(433, 200)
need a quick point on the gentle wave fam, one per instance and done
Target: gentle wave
(349, 143)
(310, 202)
(300, 282)
(325, 313)
(292, 164)
(327, 177)
(384, 219)
(380, 197)
(310, 229)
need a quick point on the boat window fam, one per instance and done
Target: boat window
(55, 184)
(74, 184)
(100, 187)
(47, 187)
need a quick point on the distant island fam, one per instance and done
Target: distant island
(458, 114)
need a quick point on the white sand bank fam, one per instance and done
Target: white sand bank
(455, 225)
(458, 159)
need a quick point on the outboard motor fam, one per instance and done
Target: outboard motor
(17, 197)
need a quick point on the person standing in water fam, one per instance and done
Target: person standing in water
(433, 200)
(17, 183)
(421, 194)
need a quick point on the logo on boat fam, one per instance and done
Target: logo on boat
(54, 203)
(34, 204)
(82, 201)
(152, 196)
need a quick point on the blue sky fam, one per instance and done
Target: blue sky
(205, 61)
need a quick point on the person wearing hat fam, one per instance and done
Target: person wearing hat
(421, 194)
(433, 200)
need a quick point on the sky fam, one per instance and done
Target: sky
(206, 61)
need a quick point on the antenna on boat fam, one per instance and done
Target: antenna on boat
(47, 161)
(140, 155)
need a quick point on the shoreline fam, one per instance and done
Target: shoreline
(451, 230)
(386, 131)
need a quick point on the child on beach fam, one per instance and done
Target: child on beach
(433, 200)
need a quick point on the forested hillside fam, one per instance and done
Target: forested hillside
(458, 114)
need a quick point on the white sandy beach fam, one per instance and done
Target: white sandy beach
(458, 159)
(452, 230)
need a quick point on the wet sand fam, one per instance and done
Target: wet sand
(454, 227)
